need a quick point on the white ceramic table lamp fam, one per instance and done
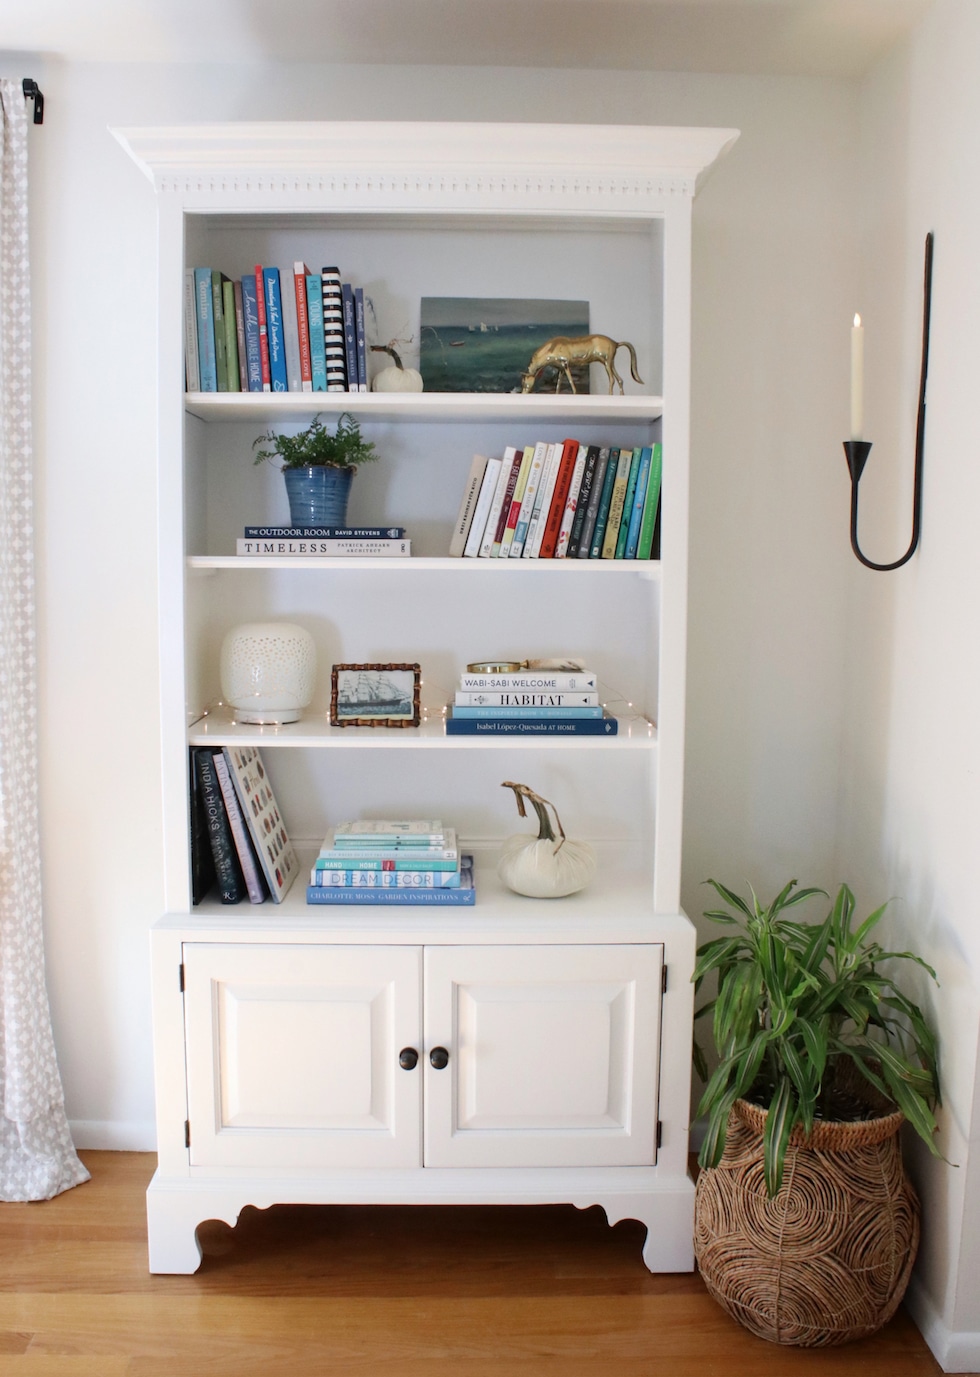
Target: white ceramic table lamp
(268, 671)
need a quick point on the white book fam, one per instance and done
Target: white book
(507, 539)
(540, 454)
(484, 506)
(467, 507)
(536, 681)
(496, 505)
(378, 549)
(571, 503)
(236, 821)
(525, 698)
(429, 830)
(192, 363)
(290, 330)
(542, 505)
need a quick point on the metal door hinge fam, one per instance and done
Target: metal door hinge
(660, 1133)
(187, 1133)
(181, 970)
(663, 981)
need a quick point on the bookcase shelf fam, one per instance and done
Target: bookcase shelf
(219, 728)
(278, 1028)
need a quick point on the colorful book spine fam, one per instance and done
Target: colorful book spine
(582, 502)
(538, 456)
(360, 333)
(192, 363)
(231, 882)
(611, 538)
(543, 681)
(253, 352)
(205, 329)
(651, 505)
(639, 496)
(595, 497)
(510, 525)
(463, 896)
(564, 467)
(261, 811)
(333, 329)
(527, 713)
(384, 849)
(300, 273)
(528, 698)
(350, 336)
(483, 513)
(624, 523)
(494, 528)
(277, 344)
(343, 860)
(263, 328)
(348, 549)
(314, 314)
(239, 831)
(468, 505)
(240, 337)
(231, 334)
(387, 879)
(220, 344)
(542, 502)
(558, 724)
(324, 532)
(605, 506)
(571, 504)
(290, 332)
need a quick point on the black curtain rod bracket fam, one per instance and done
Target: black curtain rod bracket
(33, 92)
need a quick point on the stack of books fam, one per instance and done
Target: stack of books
(272, 330)
(529, 703)
(391, 861)
(336, 541)
(561, 501)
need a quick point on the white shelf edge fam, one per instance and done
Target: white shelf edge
(423, 406)
(218, 728)
(647, 568)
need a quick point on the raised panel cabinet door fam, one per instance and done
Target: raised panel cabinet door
(293, 1055)
(553, 1055)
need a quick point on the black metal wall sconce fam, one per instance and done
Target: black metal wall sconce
(857, 451)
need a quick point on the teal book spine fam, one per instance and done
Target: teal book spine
(516, 714)
(318, 356)
(337, 859)
(205, 329)
(650, 505)
(277, 340)
(639, 496)
(605, 502)
(624, 524)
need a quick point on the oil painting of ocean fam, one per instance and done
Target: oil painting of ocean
(484, 344)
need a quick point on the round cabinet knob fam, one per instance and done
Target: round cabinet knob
(439, 1058)
(408, 1059)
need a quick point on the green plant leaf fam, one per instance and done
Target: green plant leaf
(730, 897)
(775, 1136)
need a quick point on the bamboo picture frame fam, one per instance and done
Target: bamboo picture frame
(375, 695)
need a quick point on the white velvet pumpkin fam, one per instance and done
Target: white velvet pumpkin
(396, 378)
(546, 866)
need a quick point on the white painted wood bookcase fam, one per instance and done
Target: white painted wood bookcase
(278, 1029)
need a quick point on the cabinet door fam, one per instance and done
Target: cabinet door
(292, 1055)
(553, 1055)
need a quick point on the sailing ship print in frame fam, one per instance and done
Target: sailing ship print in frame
(375, 695)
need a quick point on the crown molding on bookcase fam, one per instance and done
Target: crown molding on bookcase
(627, 168)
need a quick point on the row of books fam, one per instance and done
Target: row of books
(530, 703)
(238, 838)
(561, 501)
(386, 542)
(391, 861)
(272, 331)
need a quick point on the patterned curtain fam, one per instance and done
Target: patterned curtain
(37, 1158)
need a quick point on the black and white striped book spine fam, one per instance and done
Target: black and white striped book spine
(333, 329)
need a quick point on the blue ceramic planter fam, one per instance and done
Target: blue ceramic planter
(318, 495)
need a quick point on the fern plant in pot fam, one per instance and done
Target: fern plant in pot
(806, 1226)
(317, 468)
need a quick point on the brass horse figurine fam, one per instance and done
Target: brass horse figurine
(563, 353)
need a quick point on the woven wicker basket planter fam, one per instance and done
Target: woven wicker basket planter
(827, 1260)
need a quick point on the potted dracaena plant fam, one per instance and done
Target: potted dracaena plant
(317, 467)
(806, 1225)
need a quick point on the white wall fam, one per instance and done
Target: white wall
(910, 814)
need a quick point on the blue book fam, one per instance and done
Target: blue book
(277, 340)
(386, 879)
(205, 330)
(639, 496)
(558, 725)
(624, 524)
(362, 378)
(318, 353)
(511, 714)
(350, 335)
(250, 311)
(324, 532)
(344, 894)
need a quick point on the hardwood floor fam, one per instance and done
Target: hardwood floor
(408, 1292)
